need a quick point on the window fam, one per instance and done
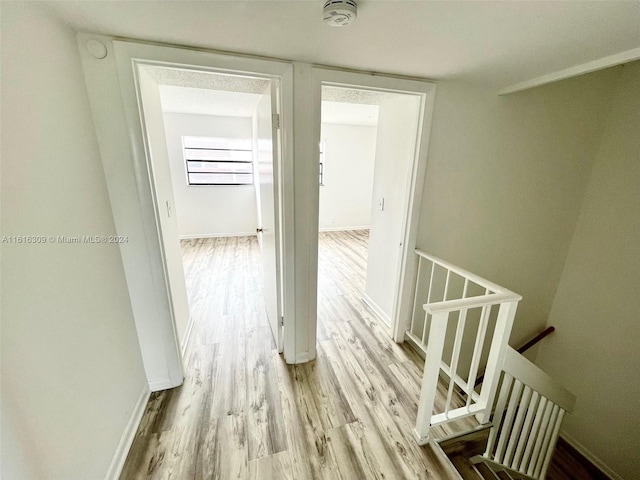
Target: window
(218, 161)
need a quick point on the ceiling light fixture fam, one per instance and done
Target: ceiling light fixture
(340, 13)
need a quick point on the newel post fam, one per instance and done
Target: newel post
(433, 359)
(499, 344)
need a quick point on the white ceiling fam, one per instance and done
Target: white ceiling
(491, 43)
(349, 113)
(203, 101)
(331, 93)
(181, 77)
(203, 93)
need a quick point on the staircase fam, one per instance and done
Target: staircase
(463, 326)
(466, 326)
(465, 453)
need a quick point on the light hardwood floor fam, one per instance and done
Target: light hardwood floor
(243, 413)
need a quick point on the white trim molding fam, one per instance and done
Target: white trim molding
(217, 235)
(128, 435)
(343, 229)
(304, 357)
(187, 336)
(588, 67)
(162, 384)
(377, 310)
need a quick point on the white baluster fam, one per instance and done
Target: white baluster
(531, 410)
(544, 425)
(547, 440)
(517, 426)
(433, 266)
(552, 445)
(497, 416)
(424, 328)
(533, 435)
(446, 286)
(477, 351)
(415, 297)
(508, 420)
(455, 355)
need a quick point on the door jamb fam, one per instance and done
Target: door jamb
(112, 93)
(404, 288)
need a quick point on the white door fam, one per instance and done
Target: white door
(420, 96)
(159, 164)
(268, 233)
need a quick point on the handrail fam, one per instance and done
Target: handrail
(470, 302)
(483, 282)
(535, 339)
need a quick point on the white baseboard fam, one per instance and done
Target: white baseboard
(343, 229)
(377, 310)
(590, 456)
(187, 336)
(129, 433)
(163, 384)
(304, 357)
(217, 235)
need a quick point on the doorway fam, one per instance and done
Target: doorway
(111, 80)
(132, 146)
(372, 155)
(213, 154)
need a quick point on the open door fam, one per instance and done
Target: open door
(268, 233)
(405, 111)
(159, 166)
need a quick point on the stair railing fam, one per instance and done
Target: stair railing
(527, 420)
(469, 303)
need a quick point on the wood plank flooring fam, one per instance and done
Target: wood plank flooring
(243, 413)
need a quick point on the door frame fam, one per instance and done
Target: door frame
(111, 84)
(276, 165)
(425, 90)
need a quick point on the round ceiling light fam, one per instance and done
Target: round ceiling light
(340, 13)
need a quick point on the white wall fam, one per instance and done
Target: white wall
(395, 149)
(505, 183)
(209, 210)
(505, 180)
(71, 367)
(595, 349)
(345, 198)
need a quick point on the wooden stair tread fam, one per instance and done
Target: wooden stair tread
(485, 472)
(468, 444)
(504, 476)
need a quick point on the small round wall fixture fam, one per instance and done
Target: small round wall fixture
(97, 49)
(340, 13)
